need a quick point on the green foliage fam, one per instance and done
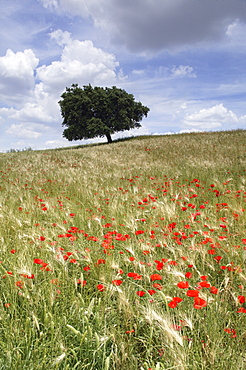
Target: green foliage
(96, 112)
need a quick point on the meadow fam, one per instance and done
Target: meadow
(125, 256)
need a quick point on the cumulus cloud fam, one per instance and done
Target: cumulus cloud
(32, 112)
(151, 25)
(81, 62)
(17, 74)
(216, 117)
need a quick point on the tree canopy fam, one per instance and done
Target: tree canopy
(90, 112)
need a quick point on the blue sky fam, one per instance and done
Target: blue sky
(184, 59)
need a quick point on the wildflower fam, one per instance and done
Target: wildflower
(140, 293)
(183, 285)
(241, 299)
(81, 282)
(117, 282)
(172, 304)
(188, 275)
(101, 287)
(231, 331)
(199, 303)
(192, 293)
(214, 290)
(204, 284)
(154, 277)
(157, 286)
(100, 262)
(38, 261)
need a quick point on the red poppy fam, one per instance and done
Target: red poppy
(172, 304)
(241, 310)
(241, 299)
(27, 276)
(192, 293)
(100, 262)
(155, 277)
(138, 232)
(199, 303)
(82, 282)
(214, 290)
(157, 286)
(117, 282)
(183, 284)
(140, 293)
(203, 277)
(188, 275)
(101, 287)
(231, 331)
(38, 261)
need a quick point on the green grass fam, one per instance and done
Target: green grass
(78, 219)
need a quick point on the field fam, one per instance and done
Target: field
(125, 256)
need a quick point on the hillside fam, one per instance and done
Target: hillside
(128, 255)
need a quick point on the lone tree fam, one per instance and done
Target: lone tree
(95, 112)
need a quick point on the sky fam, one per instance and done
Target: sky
(184, 59)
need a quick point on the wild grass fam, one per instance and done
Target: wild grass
(103, 249)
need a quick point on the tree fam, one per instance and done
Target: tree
(96, 112)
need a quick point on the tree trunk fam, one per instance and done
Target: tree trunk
(108, 136)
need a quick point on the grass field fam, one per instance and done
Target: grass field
(125, 256)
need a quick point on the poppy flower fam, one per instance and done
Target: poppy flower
(117, 282)
(241, 299)
(199, 303)
(231, 331)
(172, 304)
(138, 232)
(38, 261)
(157, 286)
(100, 262)
(140, 293)
(188, 275)
(81, 282)
(154, 277)
(183, 284)
(101, 287)
(214, 290)
(192, 293)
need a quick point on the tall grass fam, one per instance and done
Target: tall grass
(125, 256)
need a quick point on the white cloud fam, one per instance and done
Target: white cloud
(22, 130)
(81, 62)
(49, 4)
(32, 112)
(17, 74)
(212, 118)
(236, 34)
(183, 71)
